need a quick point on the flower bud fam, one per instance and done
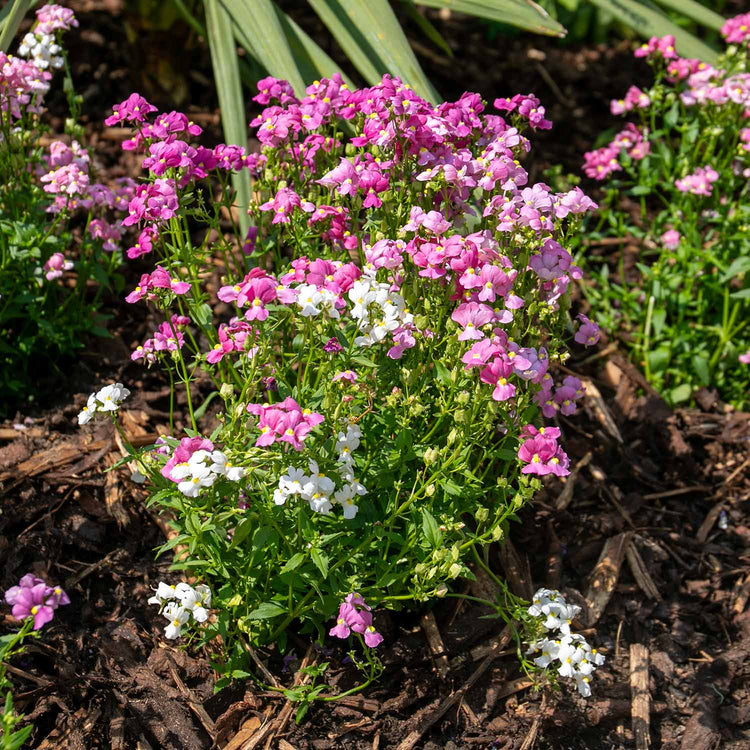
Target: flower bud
(430, 456)
(463, 398)
(454, 571)
(429, 490)
(481, 514)
(226, 391)
(460, 415)
(441, 590)
(452, 436)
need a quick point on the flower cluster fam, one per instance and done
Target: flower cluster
(285, 422)
(179, 602)
(602, 162)
(167, 338)
(55, 266)
(356, 616)
(196, 464)
(394, 335)
(318, 488)
(699, 182)
(576, 659)
(106, 399)
(41, 44)
(33, 597)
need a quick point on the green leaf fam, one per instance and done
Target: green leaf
(321, 561)
(700, 365)
(312, 62)
(523, 14)
(260, 31)
(430, 528)
(696, 11)
(242, 532)
(650, 22)
(229, 89)
(266, 611)
(680, 393)
(201, 410)
(738, 266)
(11, 17)
(428, 29)
(640, 190)
(371, 36)
(293, 563)
(202, 314)
(742, 294)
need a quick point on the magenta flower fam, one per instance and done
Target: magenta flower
(32, 597)
(497, 373)
(471, 316)
(155, 202)
(55, 266)
(551, 262)
(543, 456)
(745, 358)
(134, 109)
(354, 616)
(736, 30)
(588, 333)
(182, 454)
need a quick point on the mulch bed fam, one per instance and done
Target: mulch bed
(650, 533)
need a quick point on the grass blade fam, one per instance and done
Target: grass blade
(258, 23)
(371, 36)
(696, 11)
(649, 22)
(227, 76)
(427, 28)
(10, 17)
(524, 14)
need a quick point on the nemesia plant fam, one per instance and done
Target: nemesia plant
(46, 275)
(33, 602)
(381, 342)
(685, 157)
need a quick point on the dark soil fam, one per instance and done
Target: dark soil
(671, 488)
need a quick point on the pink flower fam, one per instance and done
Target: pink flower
(284, 203)
(543, 456)
(56, 265)
(588, 332)
(134, 109)
(285, 422)
(551, 262)
(354, 616)
(182, 453)
(497, 373)
(33, 597)
(471, 316)
(145, 242)
(699, 182)
(745, 358)
(736, 30)
(155, 202)
(349, 375)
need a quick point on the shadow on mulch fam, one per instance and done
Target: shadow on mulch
(668, 490)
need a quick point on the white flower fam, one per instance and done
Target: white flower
(111, 396)
(293, 481)
(309, 299)
(320, 503)
(222, 465)
(279, 496)
(345, 498)
(87, 413)
(582, 683)
(177, 617)
(197, 601)
(318, 482)
(200, 476)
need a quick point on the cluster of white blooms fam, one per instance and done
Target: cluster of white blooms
(312, 301)
(42, 50)
(178, 603)
(107, 399)
(202, 469)
(320, 490)
(377, 309)
(576, 658)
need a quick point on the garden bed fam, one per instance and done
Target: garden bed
(650, 532)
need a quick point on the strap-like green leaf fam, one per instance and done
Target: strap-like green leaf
(10, 19)
(649, 22)
(696, 11)
(227, 76)
(371, 36)
(424, 23)
(524, 14)
(258, 23)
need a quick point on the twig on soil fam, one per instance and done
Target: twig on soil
(428, 720)
(640, 698)
(41, 681)
(435, 642)
(640, 572)
(516, 570)
(677, 491)
(605, 576)
(708, 522)
(195, 705)
(594, 399)
(564, 498)
(494, 647)
(258, 663)
(729, 479)
(117, 728)
(530, 740)
(89, 569)
(741, 595)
